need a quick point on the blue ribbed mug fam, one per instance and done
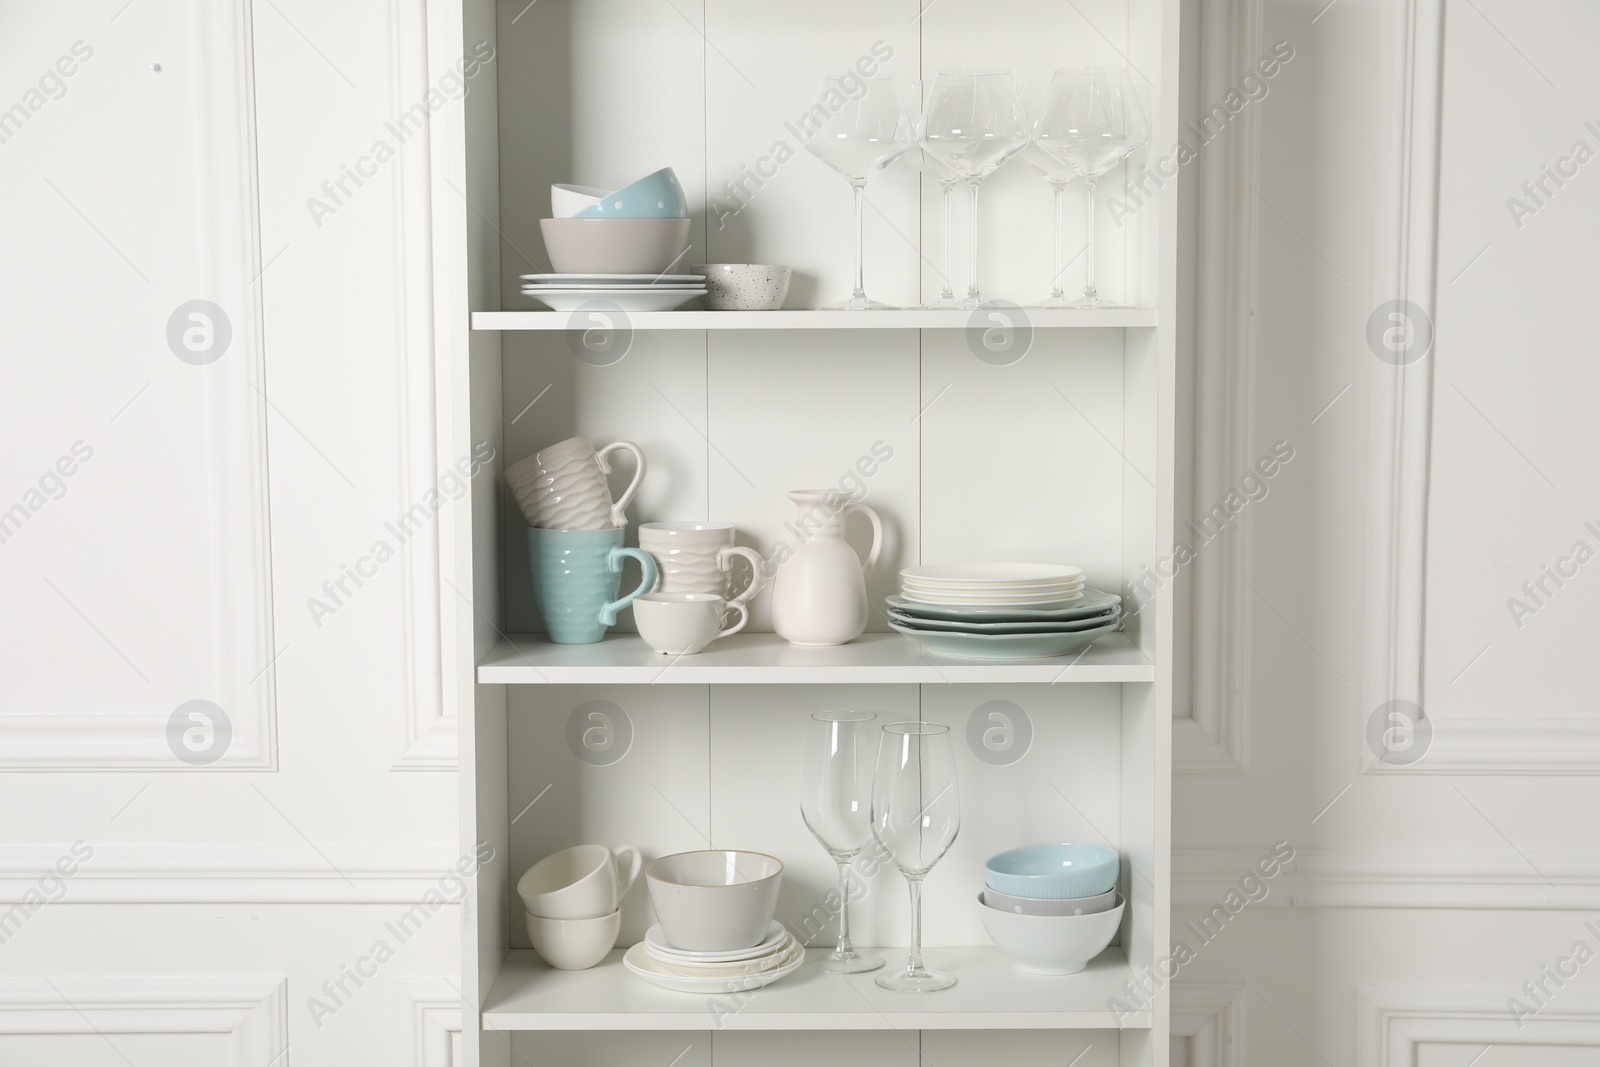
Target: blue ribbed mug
(576, 576)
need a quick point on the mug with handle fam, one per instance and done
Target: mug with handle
(581, 882)
(697, 557)
(682, 624)
(576, 577)
(563, 486)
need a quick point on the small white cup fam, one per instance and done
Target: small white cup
(681, 624)
(581, 882)
(574, 944)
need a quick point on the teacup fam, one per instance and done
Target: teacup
(563, 486)
(574, 944)
(581, 882)
(697, 557)
(681, 624)
(576, 576)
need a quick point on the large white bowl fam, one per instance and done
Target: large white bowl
(1051, 944)
(715, 900)
(614, 246)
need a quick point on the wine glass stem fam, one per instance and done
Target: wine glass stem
(1055, 265)
(844, 949)
(861, 193)
(914, 961)
(1089, 292)
(945, 292)
(972, 246)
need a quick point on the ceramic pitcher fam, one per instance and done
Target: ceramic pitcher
(819, 596)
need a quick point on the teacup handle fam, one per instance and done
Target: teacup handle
(744, 617)
(635, 862)
(619, 510)
(877, 537)
(608, 614)
(725, 563)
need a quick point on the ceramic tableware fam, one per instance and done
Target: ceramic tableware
(1092, 602)
(682, 624)
(1057, 871)
(911, 622)
(563, 486)
(581, 882)
(1051, 944)
(576, 577)
(744, 286)
(697, 557)
(777, 937)
(574, 944)
(987, 574)
(993, 898)
(567, 200)
(614, 246)
(601, 281)
(688, 964)
(658, 195)
(639, 961)
(714, 900)
(649, 298)
(1005, 646)
(819, 596)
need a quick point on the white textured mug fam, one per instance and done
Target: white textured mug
(697, 557)
(563, 487)
(581, 882)
(681, 624)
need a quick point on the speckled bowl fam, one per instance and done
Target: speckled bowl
(744, 286)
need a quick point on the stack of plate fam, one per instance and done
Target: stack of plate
(1002, 610)
(629, 292)
(655, 961)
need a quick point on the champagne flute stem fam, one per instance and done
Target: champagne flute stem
(1090, 294)
(1055, 265)
(945, 292)
(972, 246)
(914, 965)
(845, 949)
(860, 293)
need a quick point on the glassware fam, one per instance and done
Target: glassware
(835, 802)
(975, 122)
(1091, 121)
(927, 163)
(916, 814)
(1058, 174)
(865, 132)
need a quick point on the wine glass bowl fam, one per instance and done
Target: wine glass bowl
(835, 802)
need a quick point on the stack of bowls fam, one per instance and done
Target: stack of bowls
(716, 933)
(573, 899)
(1052, 908)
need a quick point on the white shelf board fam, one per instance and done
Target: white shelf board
(765, 658)
(990, 994)
(906, 319)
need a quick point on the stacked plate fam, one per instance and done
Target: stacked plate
(1002, 611)
(655, 961)
(628, 292)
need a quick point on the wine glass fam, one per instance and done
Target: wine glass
(916, 814)
(975, 122)
(1058, 174)
(867, 129)
(1091, 121)
(928, 164)
(835, 802)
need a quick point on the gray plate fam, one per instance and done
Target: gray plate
(1005, 646)
(1043, 626)
(1090, 604)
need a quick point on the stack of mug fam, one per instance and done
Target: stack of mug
(689, 607)
(574, 900)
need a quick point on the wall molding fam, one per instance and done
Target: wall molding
(1210, 1016)
(1393, 1022)
(1323, 878)
(254, 1012)
(1507, 746)
(433, 1012)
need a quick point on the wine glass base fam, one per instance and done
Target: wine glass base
(942, 304)
(1094, 303)
(1057, 303)
(854, 963)
(922, 982)
(860, 304)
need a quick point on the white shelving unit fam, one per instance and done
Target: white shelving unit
(1065, 452)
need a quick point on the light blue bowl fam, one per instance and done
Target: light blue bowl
(655, 196)
(1054, 872)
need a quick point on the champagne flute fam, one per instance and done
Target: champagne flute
(1058, 174)
(1091, 121)
(866, 130)
(916, 814)
(975, 123)
(835, 802)
(928, 164)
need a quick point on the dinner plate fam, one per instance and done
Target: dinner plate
(579, 281)
(638, 960)
(693, 969)
(1005, 646)
(622, 300)
(1048, 600)
(995, 573)
(640, 287)
(1092, 602)
(939, 592)
(1043, 626)
(657, 939)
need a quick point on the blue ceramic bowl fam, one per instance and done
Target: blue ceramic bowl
(1054, 872)
(655, 196)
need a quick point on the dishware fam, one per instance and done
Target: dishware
(745, 286)
(581, 882)
(697, 557)
(916, 814)
(658, 195)
(576, 577)
(1091, 121)
(911, 622)
(835, 802)
(639, 961)
(1058, 871)
(1005, 646)
(614, 246)
(689, 968)
(776, 940)
(1051, 944)
(681, 624)
(714, 900)
(930, 167)
(567, 200)
(652, 298)
(819, 595)
(993, 898)
(986, 574)
(604, 281)
(975, 123)
(1091, 602)
(866, 132)
(563, 486)
(574, 944)
(1042, 600)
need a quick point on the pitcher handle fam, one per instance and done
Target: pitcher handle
(635, 861)
(608, 614)
(619, 516)
(877, 538)
(725, 563)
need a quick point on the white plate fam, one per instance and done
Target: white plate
(631, 287)
(995, 573)
(641, 963)
(1066, 589)
(692, 969)
(622, 300)
(576, 281)
(1043, 626)
(997, 600)
(1092, 602)
(775, 937)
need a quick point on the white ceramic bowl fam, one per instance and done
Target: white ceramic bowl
(744, 286)
(567, 200)
(1051, 944)
(574, 944)
(614, 246)
(1027, 906)
(715, 900)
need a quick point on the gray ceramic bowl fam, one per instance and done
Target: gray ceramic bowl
(744, 286)
(715, 900)
(993, 898)
(614, 246)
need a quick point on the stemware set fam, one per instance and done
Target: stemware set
(973, 122)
